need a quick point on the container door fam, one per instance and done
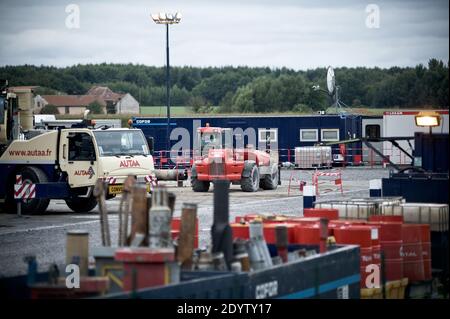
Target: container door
(372, 129)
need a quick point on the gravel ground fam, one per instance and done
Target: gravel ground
(44, 236)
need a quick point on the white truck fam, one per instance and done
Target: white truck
(64, 163)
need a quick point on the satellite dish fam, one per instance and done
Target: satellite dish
(331, 83)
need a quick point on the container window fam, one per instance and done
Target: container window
(309, 135)
(329, 135)
(266, 135)
(373, 131)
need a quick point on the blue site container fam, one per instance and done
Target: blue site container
(433, 151)
(288, 129)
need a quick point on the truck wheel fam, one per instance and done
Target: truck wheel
(270, 181)
(199, 186)
(82, 205)
(251, 183)
(33, 175)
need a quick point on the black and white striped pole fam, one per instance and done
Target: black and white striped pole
(309, 196)
(375, 188)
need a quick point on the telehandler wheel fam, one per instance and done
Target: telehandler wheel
(270, 181)
(82, 205)
(251, 183)
(32, 175)
(199, 186)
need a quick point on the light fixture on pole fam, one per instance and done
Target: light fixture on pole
(428, 119)
(167, 19)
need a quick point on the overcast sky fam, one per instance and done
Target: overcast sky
(276, 33)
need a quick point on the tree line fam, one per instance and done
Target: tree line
(246, 89)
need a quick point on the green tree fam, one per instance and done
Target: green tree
(269, 90)
(196, 103)
(302, 108)
(226, 104)
(95, 108)
(243, 100)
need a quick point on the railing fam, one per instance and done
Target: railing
(350, 157)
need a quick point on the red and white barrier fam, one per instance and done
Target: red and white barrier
(337, 179)
(110, 180)
(295, 181)
(152, 181)
(24, 191)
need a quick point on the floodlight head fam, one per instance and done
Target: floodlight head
(331, 82)
(169, 16)
(428, 119)
(162, 16)
(177, 16)
(155, 17)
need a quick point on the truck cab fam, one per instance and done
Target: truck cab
(110, 154)
(107, 154)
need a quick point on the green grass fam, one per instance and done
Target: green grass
(161, 110)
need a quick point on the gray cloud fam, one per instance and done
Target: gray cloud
(296, 34)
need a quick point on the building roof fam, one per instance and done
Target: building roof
(20, 88)
(72, 100)
(105, 93)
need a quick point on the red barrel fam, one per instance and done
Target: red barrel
(426, 250)
(376, 246)
(305, 220)
(311, 235)
(412, 252)
(239, 219)
(386, 218)
(249, 217)
(357, 235)
(270, 232)
(240, 230)
(350, 222)
(307, 235)
(144, 267)
(328, 213)
(390, 236)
